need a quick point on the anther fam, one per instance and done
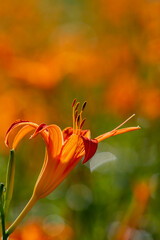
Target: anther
(76, 107)
(78, 119)
(76, 115)
(73, 113)
(83, 106)
(82, 123)
(74, 101)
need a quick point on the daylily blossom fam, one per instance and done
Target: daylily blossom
(64, 150)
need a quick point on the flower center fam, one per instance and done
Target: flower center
(78, 121)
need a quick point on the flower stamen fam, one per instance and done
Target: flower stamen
(73, 104)
(78, 121)
(83, 106)
(82, 123)
(76, 107)
(74, 101)
(76, 113)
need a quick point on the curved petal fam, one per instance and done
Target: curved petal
(52, 136)
(41, 127)
(21, 133)
(51, 177)
(12, 143)
(54, 140)
(39, 188)
(90, 148)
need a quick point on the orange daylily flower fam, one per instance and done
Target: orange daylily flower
(64, 150)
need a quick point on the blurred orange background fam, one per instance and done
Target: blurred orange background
(106, 52)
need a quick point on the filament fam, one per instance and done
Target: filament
(73, 104)
(124, 122)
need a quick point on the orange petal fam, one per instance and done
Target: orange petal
(38, 130)
(90, 148)
(116, 132)
(67, 132)
(124, 130)
(69, 148)
(21, 133)
(54, 141)
(67, 161)
(53, 138)
(40, 187)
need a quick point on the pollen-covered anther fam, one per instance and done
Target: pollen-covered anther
(82, 123)
(76, 113)
(74, 101)
(83, 106)
(78, 119)
(73, 104)
(77, 123)
(76, 107)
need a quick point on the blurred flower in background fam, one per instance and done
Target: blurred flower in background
(131, 221)
(108, 53)
(38, 229)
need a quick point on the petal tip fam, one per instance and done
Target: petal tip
(38, 130)
(13, 125)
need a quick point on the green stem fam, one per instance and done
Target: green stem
(5, 237)
(9, 181)
(24, 212)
